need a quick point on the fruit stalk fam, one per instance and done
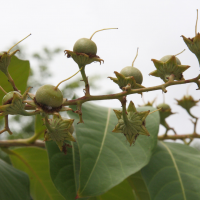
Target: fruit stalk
(124, 112)
(85, 79)
(12, 82)
(6, 128)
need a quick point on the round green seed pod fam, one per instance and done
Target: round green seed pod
(85, 45)
(47, 96)
(7, 99)
(133, 71)
(164, 106)
(166, 58)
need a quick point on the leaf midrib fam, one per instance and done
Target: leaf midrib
(102, 144)
(176, 168)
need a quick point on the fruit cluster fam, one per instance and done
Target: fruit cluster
(49, 100)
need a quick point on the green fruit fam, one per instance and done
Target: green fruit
(86, 46)
(166, 58)
(132, 71)
(47, 96)
(164, 106)
(7, 99)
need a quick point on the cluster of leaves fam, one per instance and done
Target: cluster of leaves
(101, 164)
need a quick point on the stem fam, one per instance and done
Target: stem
(124, 112)
(12, 82)
(101, 30)
(177, 137)
(6, 128)
(79, 112)
(196, 24)
(191, 114)
(133, 91)
(47, 123)
(34, 138)
(21, 142)
(135, 57)
(85, 79)
(195, 126)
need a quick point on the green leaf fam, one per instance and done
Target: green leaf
(123, 191)
(173, 172)
(137, 183)
(14, 183)
(34, 162)
(105, 157)
(17, 68)
(62, 170)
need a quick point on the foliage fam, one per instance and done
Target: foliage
(93, 152)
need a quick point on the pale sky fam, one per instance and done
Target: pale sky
(154, 26)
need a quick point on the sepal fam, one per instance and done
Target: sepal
(82, 59)
(134, 126)
(123, 81)
(58, 130)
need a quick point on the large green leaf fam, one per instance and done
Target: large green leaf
(62, 169)
(19, 70)
(105, 157)
(34, 161)
(14, 184)
(137, 183)
(123, 191)
(173, 172)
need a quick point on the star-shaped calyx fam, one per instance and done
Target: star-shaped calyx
(133, 125)
(170, 67)
(123, 81)
(15, 105)
(149, 103)
(83, 59)
(194, 43)
(187, 102)
(58, 130)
